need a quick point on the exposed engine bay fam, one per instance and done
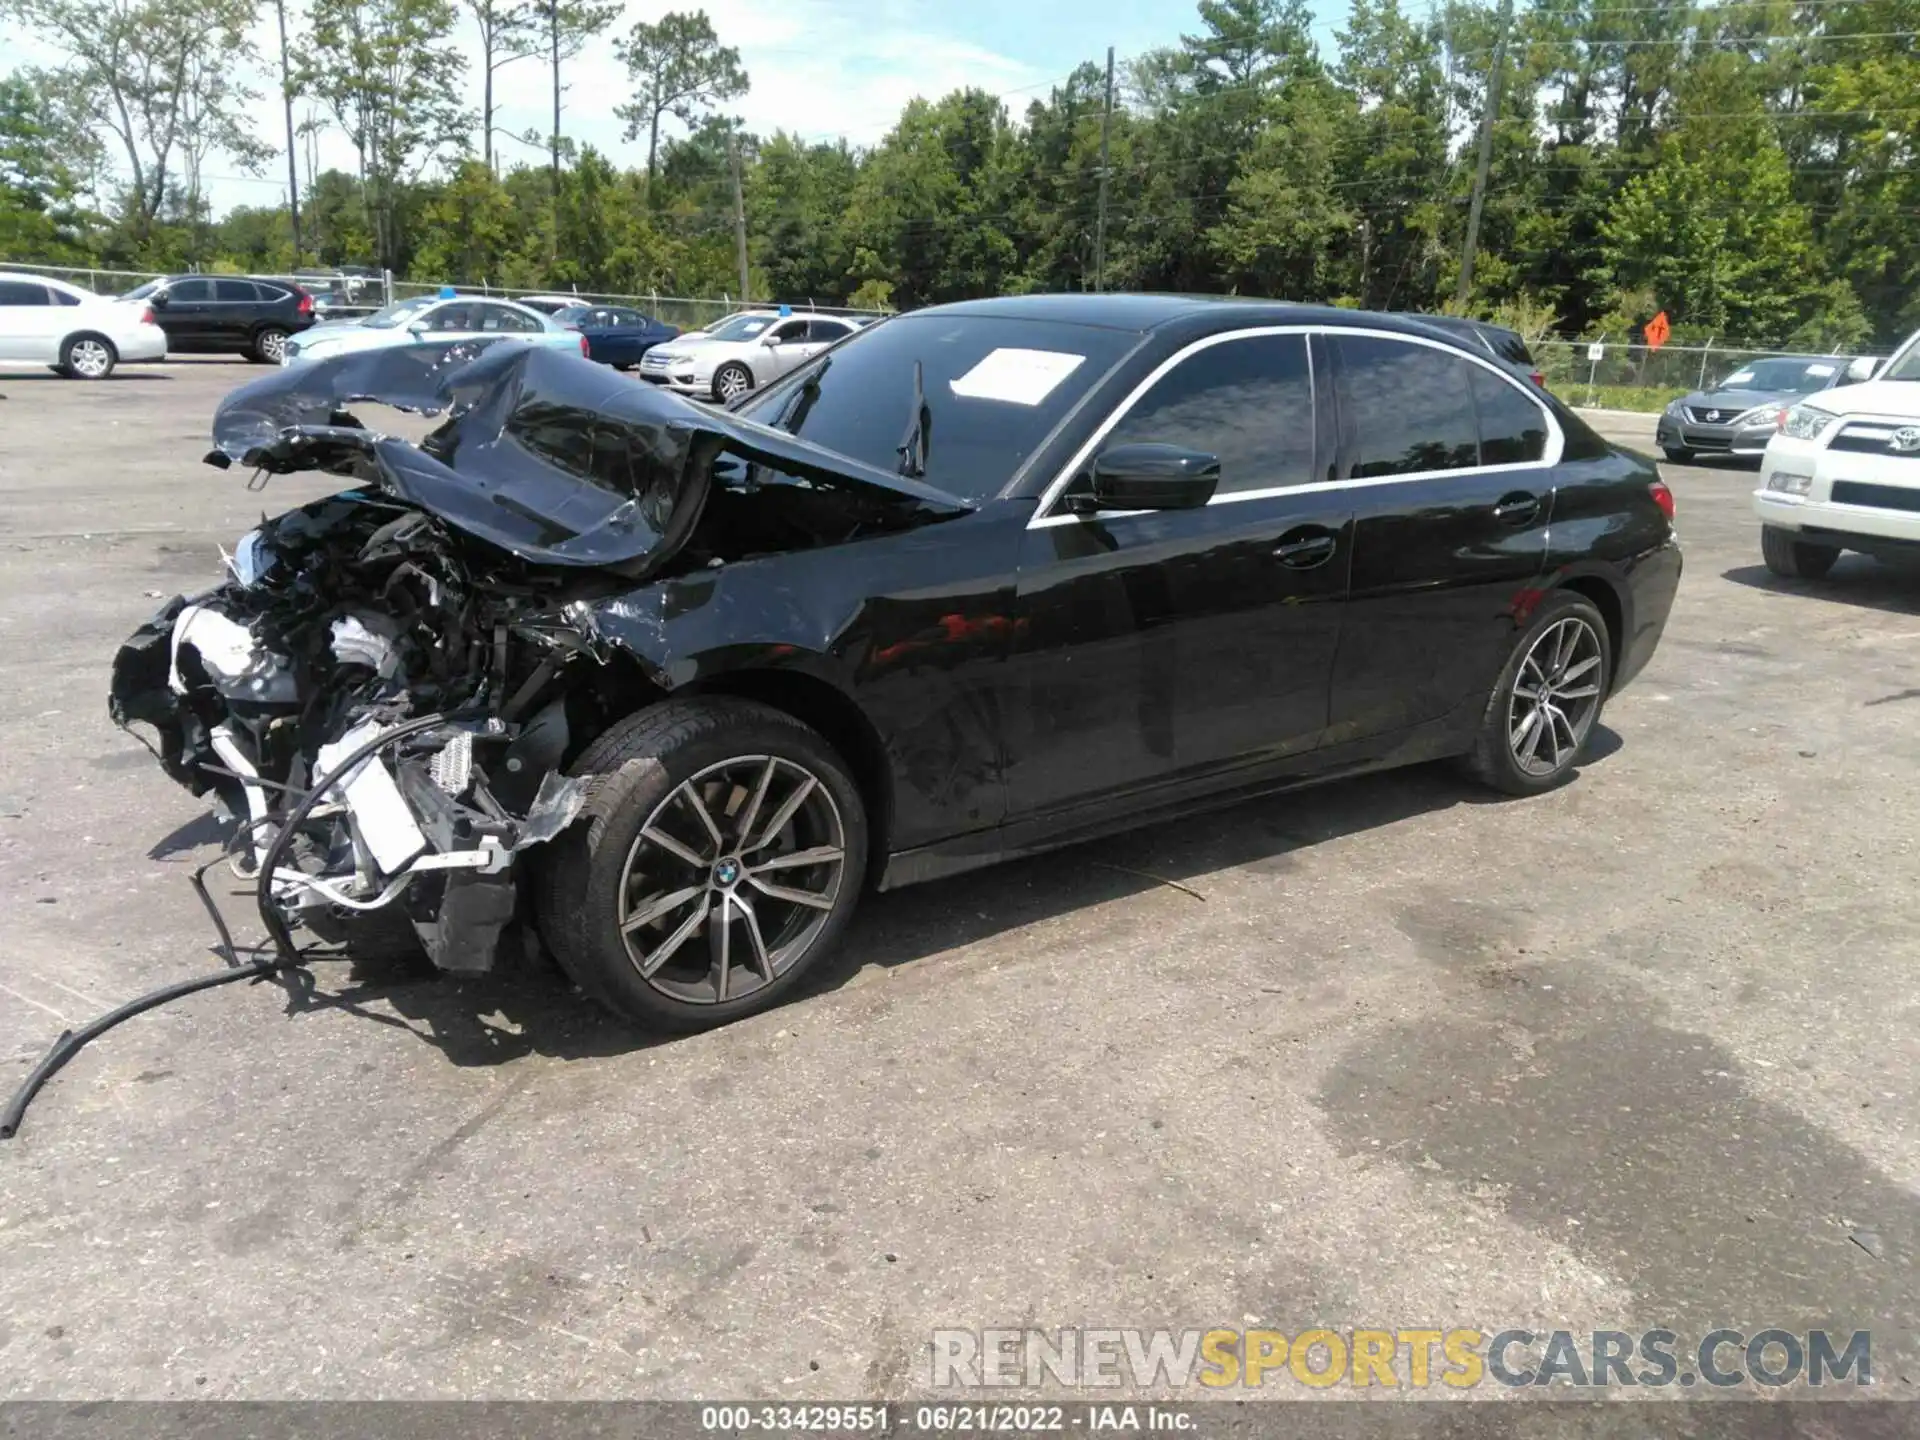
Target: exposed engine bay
(384, 693)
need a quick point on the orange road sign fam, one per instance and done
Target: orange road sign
(1657, 331)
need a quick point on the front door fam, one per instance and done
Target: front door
(1451, 537)
(1162, 647)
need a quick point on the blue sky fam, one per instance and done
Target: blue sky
(822, 68)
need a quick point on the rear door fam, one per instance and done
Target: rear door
(235, 308)
(1159, 647)
(1449, 462)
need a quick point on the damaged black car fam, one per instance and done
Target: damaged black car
(664, 688)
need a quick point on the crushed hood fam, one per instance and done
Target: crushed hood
(543, 453)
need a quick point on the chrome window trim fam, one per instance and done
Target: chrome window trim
(1556, 438)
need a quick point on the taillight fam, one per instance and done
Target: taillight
(1538, 379)
(1663, 497)
(583, 345)
(146, 315)
(304, 305)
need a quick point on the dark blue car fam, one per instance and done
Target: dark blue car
(616, 336)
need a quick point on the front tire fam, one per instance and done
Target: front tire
(718, 857)
(87, 357)
(269, 346)
(731, 381)
(1546, 703)
(1789, 556)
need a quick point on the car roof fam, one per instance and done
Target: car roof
(1144, 312)
(24, 278)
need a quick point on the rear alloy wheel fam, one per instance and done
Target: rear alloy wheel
(730, 382)
(1543, 709)
(87, 357)
(719, 855)
(269, 346)
(1788, 555)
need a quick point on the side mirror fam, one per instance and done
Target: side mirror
(417, 327)
(1151, 477)
(771, 341)
(158, 300)
(1862, 370)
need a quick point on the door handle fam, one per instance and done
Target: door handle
(1517, 508)
(1306, 552)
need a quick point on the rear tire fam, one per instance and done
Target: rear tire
(87, 357)
(1565, 659)
(269, 345)
(670, 935)
(1795, 559)
(1677, 455)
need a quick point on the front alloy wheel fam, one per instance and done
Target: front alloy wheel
(749, 857)
(730, 382)
(1546, 703)
(718, 856)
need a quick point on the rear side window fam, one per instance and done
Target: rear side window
(1513, 429)
(19, 292)
(242, 290)
(1405, 408)
(1248, 402)
(825, 332)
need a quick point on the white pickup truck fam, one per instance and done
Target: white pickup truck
(1843, 471)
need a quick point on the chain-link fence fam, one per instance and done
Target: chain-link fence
(1632, 377)
(359, 291)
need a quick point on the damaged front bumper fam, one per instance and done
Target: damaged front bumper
(429, 826)
(434, 635)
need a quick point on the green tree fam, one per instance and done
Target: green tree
(677, 66)
(387, 71)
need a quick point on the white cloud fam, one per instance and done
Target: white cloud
(819, 68)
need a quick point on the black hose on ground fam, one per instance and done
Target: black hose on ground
(286, 956)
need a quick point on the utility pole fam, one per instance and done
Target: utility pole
(553, 33)
(293, 168)
(1100, 224)
(1487, 117)
(739, 215)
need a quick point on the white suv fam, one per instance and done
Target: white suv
(1843, 471)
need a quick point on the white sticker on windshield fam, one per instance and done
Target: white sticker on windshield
(1019, 377)
(1737, 379)
(1821, 369)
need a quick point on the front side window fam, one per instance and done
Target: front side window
(790, 333)
(1247, 402)
(497, 318)
(190, 291)
(455, 316)
(1406, 408)
(19, 292)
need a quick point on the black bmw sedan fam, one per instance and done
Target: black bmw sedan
(675, 685)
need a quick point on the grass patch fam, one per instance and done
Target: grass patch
(1651, 399)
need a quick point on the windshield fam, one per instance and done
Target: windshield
(741, 327)
(1905, 364)
(1784, 375)
(398, 313)
(994, 389)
